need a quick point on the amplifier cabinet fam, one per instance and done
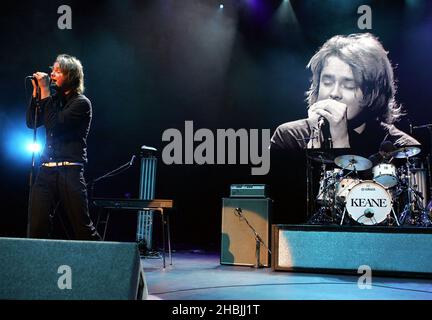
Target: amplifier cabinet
(238, 243)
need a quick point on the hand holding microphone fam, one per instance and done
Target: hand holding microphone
(34, 84)
(330, 117)
(40, 81)
(323, 127)
(321, 122)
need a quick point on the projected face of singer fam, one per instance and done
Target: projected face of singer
(339, 100)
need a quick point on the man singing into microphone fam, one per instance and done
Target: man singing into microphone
(351, 100)
(66, 115)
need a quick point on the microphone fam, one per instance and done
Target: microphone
(321, 122)
(132, 160)
(324, 127)
(423, 126)
(34, 78)
(410, 126)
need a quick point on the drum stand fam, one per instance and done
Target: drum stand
(329, 204)
(428, 208)
(414, 212)
(320, 216)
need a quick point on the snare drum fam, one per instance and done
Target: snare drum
(368, 203)
(385, 174)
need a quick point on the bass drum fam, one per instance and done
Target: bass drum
(368, 203)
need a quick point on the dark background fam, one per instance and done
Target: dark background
(151, 65)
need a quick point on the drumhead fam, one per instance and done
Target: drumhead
(368, 203)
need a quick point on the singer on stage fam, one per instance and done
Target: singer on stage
(351, 100)
(66, 115)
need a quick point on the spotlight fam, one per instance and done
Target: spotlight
(17, 142)
(34, 147)
(221, 6)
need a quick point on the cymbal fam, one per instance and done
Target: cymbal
(351, 162)
(406, 152)
(322, 157)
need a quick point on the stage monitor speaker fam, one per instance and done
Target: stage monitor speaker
(36, 269)
(238, 243)
(390, 251)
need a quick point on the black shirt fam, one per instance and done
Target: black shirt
(295, 136)
(67, 122)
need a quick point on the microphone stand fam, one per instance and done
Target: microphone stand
(112, 173)
(32, 169)
(310, 198)
(258, 239)
(308, 182)
(309, 192)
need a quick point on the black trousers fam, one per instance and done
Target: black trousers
(64, 184)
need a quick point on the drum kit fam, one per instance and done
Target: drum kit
(390, 196)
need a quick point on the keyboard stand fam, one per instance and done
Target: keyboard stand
(165, 227)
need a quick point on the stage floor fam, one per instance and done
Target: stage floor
(198, 275)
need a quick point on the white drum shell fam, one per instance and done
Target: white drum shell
(344, 186)
(385, 174)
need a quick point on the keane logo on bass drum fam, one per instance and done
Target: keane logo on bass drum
(363, 202)
(368, 203)
(370, 198)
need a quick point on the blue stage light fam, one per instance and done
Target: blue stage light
(34, 147)
(17, 140)
(221, 6)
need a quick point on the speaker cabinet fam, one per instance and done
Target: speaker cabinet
(39, 269)
(391, 251)
(238, 243)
